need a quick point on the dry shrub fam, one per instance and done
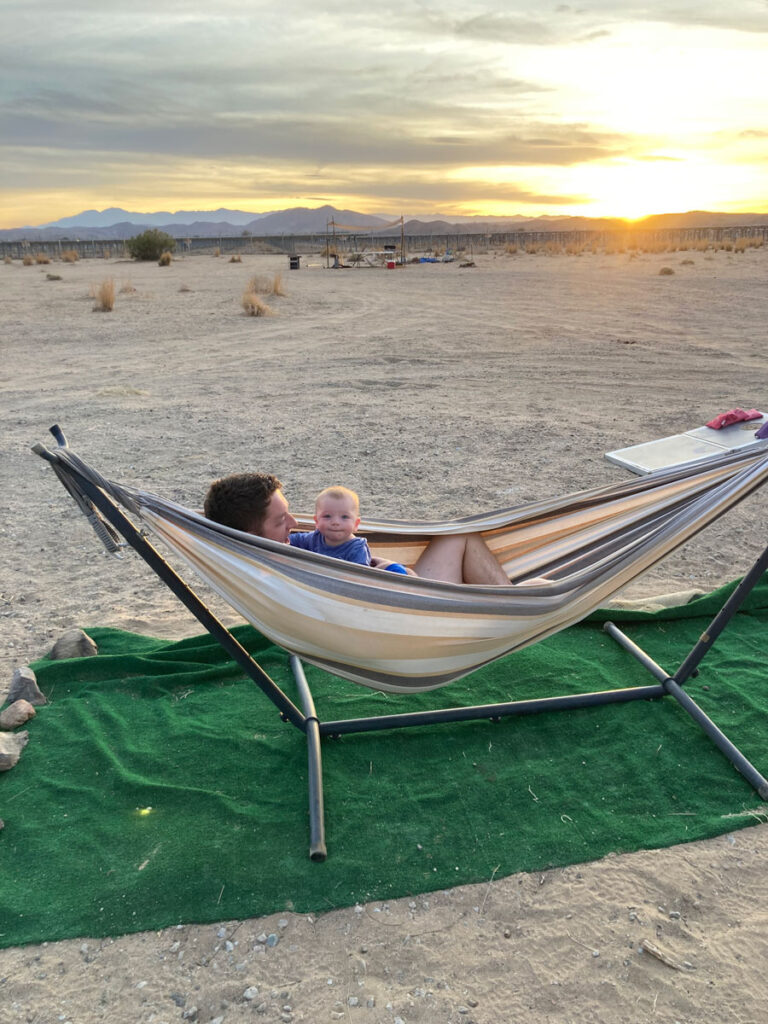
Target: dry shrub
(510, 249)
(277, 285)
(666, 271)
(237, 258)
(70, 256)
(263, 284)
(28, 261)
(7, 259)
(217, 251)
(254, 305)
(104, 294)
(745, 242)
(40, 257)
(165, 260)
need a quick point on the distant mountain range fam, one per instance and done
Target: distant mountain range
(116, 223)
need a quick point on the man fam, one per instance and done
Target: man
(255, 503)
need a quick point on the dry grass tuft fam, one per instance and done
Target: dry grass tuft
(217, 251)
(263, 284)
(28, 261)
(237, 258)
(277, 285)
(254, 305)
(104, 294)
(666, 271)
(70, 256)
(40, 257)
(7, 259)
(165, 260)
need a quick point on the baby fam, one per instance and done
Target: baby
(337, 516)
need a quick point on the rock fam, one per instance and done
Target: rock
(24, 687)
(16, 714)
(11, 746)
(250, 993)
(73, 644)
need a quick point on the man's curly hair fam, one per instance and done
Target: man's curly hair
(241, 500)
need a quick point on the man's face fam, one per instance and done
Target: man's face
(278, 521)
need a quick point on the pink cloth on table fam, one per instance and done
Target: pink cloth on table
(725, 419)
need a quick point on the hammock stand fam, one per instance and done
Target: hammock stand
(94, 501)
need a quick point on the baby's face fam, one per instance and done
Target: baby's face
(336, 519)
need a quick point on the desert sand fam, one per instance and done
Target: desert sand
(433, 390)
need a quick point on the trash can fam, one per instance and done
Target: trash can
(294, 262)
(390, 264)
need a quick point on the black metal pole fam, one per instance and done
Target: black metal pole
(317, 849)
(185, 594)
(568, 702)
(721, 620)
(637, 652)
(721, 741)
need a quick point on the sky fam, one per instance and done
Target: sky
(416, 108)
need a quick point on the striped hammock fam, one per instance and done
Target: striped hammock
(403, 634)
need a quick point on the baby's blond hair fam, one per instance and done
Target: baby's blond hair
(337, 493)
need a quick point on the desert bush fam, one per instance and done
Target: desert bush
(217, 251)
(28, 261)
(165, 260)
(40, 257)
(277, 285)
(237, 258)
(150, 245)
(744, 242)
(510, 249)
(104, 294)
(263, 284)
(254, 305)
(666, 271)
(7, 259)
(70, 256)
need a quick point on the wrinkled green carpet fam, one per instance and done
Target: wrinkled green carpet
(160, 786)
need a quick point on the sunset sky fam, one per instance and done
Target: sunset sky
(421, 108)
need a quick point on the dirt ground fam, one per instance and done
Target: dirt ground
(432, 390)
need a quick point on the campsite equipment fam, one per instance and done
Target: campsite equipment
(402, 633)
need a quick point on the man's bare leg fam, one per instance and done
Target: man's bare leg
(480, 566)
(460, 559)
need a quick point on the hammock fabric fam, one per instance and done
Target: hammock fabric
(402, 633)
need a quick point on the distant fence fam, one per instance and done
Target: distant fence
(298, 244)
